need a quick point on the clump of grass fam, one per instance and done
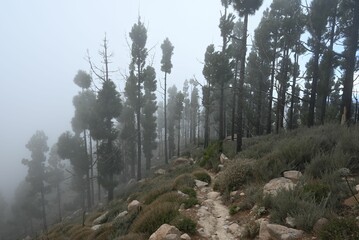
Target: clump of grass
(340, 228)
(184, 224)
(151, 219)
(190, 202)
(183, 181)
(294, 203)
(156, 192)
(233, 209)
(123, 224)
(190, 192)
(251, 230)
(134, 236)
(210, 158)
(202, 176)
(234, 175)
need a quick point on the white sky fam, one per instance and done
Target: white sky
(43, 44)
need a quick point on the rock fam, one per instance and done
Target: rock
(200, 184)
(27, 238)
(131, 181)
(357, 188)
(318, 226)
(101, 219)
(351, 202)
(220, 166)
(160, 171)
(180, 161)
(242, 194)
(185, 237)
(213, 195)
(223, 158)
(165, 230)
(263, 230)
(290, 221)
(121, 215)
(182, 194)
(134, 205)
(96, 227)
(234, 228)
(283, 233)
(172, 237)
(292, 175)
(234, 193)
(276, 184)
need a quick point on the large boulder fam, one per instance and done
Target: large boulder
(134, 205)
(101, 219)
(200, 183)
(263, 229)
(279, 232)
(223, 158)
(292, 175)
(180, 161)
(165, 232)
(277, 184)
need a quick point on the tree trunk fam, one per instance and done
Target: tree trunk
(270, 102)
(313, 93)
(138, 113)
(43, 206)
(110, 190)
(291, 109)
(91, 172)
(241, 85)
(234, 97)
(165, 111)
(179, 138)
(88, 184)
(58, 190)
(351, 61)
(329, 69)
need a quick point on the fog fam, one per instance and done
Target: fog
(44, 43)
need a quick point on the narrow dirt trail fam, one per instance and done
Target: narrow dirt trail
(214, 218)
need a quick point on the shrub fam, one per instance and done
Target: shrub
(123, 224)
(233, 176)
(190, 192)
(251, 230)
(184, 224)
(233, 209)
(172, 197)
(317, 190)
(183, 181)
(202, 176)
(210, 158)
(190, 202)
(154, 193)
(340, 228)
(151, 219)
(297, 205)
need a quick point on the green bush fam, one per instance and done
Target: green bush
(295, 204)
(251, 230)
(202, 176)
(233, 209)
(210, 158)
(184, 224)
(233, 176)
(190, 192)
(151, 219)
(183, 181)
(339, 229)
(172, 197)
(154, 193)
(317, 190)
(190, 202)
(123, 224)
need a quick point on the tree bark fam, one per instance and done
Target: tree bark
(270, 102)
(165, 111)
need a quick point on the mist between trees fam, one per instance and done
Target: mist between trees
(120, 136)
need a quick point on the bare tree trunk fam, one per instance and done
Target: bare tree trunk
(234, 97)
(241, 86)
(313, 93)
(291, 109)
(138, 113)
(165, 111)
(43, 207)
(270, 102)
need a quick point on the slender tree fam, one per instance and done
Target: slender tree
(149, 119)
(37, 145)
(244, 8)
(167, 52)
(139, 53)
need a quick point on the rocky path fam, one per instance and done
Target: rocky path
(213, 216)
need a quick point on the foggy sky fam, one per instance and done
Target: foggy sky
(43, 45)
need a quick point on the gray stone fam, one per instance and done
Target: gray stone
(96, 227)
(134, 205)
(223, 158)
(290, 221)
(172, 236)
(263, 230)
(293, 175)
(280, 232)
(121, 214)
(160, 171)
(101, 219)
(163, 231)
(277, 184)
(185, 237)
(213, 195)
(200, 184)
